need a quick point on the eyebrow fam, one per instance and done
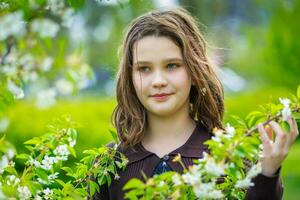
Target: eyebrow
(165, 61)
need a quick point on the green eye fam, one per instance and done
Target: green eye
(172, 66)
(143, 69)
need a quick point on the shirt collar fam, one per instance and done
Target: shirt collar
(192, 148)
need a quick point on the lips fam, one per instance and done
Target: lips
(161, 96)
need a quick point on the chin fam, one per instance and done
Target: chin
(162, 112)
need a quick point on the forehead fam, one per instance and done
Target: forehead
(153, 48)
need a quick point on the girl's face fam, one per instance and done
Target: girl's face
(159, 76)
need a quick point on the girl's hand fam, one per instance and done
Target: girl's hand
(275, 152)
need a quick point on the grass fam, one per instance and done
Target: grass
(93, 115)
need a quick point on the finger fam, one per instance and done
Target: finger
(264, 136)
(294, 130)
(294, 127)
(269, 132)
(281, 137)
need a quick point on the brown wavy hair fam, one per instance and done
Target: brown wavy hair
(206, 95)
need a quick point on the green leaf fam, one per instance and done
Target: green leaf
(11, 170)
(23, 156)
(108, 178)
(34, 140)
(68, 170)
(90, 151)
(285, 126)
(134, 183)
(60, 182)
(33, 186)
(296, 115)
(8, 190)
(72, 133)
(93, 186)
(114, 135)
(252, 117)
(2, 138)
(76, 3)
(82, 192)
(72, 151)
(41, 173)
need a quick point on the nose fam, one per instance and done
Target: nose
(159, 80)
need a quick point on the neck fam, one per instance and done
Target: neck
(165, 128)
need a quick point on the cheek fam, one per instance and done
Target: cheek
(138, 83)
(181, 79)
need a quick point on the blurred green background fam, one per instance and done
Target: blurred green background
(253, 44)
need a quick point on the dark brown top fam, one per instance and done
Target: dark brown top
(145, 161)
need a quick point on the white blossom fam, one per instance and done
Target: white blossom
(285, 102)
(204, 158)
(230, 130)
(15, 90)
(211, 167)
(11, 163)
(12, 24)
(34, 162)
(46, 64)
(64, 87)
(117, 176)
(176, 180)
(47, 162)
(4, 5)
(161, 183)
(27, 61)
(72, 142)
(24, 192)
(193, 176)
(30, 76)
(68, 17)
(52, 177)
(246, 182)
(4, 123)
(38, 197)
(255, 169)
(45, 27)
(207, 191)
(12, 180)
(286, 111)
(47, 193)
(46, 98)
(9, 69)
(10, 153)
(56, 6)
(190, 178)
(3, 163)
(62, 152)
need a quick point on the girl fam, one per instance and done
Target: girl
(170, 99)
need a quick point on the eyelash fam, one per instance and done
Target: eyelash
(173, 64)
(143, 68)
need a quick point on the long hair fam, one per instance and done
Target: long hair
(206, 94)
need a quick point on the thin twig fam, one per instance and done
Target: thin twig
(249, 133)
(9, 44)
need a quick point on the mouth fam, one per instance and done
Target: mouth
(161, 96)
